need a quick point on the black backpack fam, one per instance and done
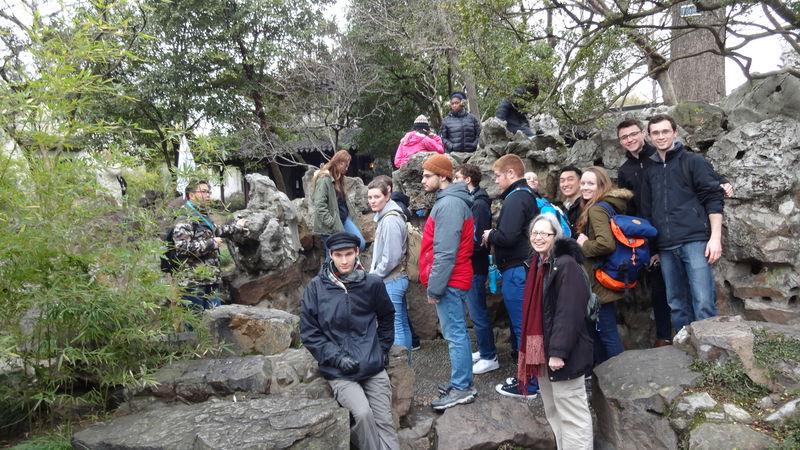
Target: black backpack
(169, 257)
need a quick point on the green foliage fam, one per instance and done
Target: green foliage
(729, 381)
(86, 310)
(53, 441)
(788, 436)
(773, 348)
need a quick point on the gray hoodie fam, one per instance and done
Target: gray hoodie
(390, 241)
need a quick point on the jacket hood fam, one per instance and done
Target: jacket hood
(390, 206)
(412, 138)
(400, 197)
(521, 183)
(458, 190)
(569, 247)
(480, 193)
(676, 149)
(619, 198)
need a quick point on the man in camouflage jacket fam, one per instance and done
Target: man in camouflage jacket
(197, 242)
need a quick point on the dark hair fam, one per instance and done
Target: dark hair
(470, 171)
(629, 123)
(192, 186)
(660, 118)
(380, 183)
(570, 168)
(386, 179)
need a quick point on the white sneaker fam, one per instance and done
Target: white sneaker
(485, 365)
(476, 357)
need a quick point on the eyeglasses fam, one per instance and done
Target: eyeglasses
(659, 133)
(629, 136)
(541, 234)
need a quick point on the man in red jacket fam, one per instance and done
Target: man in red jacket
(445, 269)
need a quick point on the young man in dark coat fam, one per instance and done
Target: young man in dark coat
(485, 359)
(347, 323)
(512, 249)
(460, 129)
(681, 197)
(515, 119)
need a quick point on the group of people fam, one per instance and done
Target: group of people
(351, 315)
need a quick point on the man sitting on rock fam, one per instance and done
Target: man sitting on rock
(347, 323)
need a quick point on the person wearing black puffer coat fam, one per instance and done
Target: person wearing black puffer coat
(460, 129)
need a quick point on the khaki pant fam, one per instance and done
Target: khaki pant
(567, 411)
(370, 405)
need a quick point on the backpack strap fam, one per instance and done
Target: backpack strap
(609, 209)
(395, 213)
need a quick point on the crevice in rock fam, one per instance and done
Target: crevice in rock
(756, 266)
(740, 154)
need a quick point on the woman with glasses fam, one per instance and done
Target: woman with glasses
(597, 241)
(331, 208)
(556, 346)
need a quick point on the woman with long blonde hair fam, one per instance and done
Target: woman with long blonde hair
(331, 207)
(598, 194)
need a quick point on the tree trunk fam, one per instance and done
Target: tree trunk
(701, 77)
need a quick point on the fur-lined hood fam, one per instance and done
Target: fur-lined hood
(624, 194)
(568, 247)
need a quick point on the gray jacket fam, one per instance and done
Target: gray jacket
(389, 248)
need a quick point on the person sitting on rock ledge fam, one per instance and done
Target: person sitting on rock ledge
(347, 323)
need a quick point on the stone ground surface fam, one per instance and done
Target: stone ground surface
(431, 365)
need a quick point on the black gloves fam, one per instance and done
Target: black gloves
(348, 365)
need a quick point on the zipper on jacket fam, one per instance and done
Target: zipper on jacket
(666, 205)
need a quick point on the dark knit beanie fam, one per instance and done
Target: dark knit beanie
(440, 165)
(460, 95)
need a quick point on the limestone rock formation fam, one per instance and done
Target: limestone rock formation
(633, 393)
(247, 329)
(402, 378)
(503, 421)
(714, 436)
(271, 422)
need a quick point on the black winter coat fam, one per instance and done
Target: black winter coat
(460, 132)
(482, 215)
(512, 245)
(515, 119)
(678, 207)
(565, 294)
(358, 321)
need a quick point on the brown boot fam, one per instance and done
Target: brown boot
(662, 342)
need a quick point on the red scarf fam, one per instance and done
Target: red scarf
(531, 347)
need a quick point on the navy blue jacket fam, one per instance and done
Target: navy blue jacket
(460, 132)
(357, 319)
(678, 207)
(482, 215)
(512, 245)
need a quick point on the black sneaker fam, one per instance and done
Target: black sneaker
(453, 398)
(511, 389)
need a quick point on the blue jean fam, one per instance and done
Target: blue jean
(350, 227)
(476, 301)
(199, 298)
(397, 293)
(450, 310)
(607, 343)
(691, 293)
(513, 298)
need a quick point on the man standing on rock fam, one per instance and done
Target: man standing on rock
(569, 183)
(445, 269)
(512, 250)
(347, 323)
(485, 359)
(196, 240)
(681, 196)
(460, 129)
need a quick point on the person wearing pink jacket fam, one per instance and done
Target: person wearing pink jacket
(420, 139)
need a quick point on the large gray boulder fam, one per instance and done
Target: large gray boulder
(487, 425)
(716, 436)
(632, 395)
(758, 100)
(272, 240)
(294, 371)
(272, 422)
(253, 330)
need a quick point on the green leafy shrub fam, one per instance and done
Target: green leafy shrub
(729, 381)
